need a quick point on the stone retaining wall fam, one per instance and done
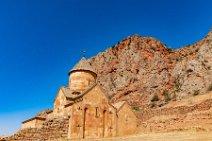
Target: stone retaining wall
(144, 115)
(52, 129)
(196, 117)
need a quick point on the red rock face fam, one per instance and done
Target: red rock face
(138, 68)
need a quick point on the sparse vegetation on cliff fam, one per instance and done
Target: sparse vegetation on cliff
(196, 92)
(170, 50)
(135, 108)
(155, 98)
(177, 85)
(152, 104)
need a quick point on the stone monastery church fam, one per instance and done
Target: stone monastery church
(86, 106)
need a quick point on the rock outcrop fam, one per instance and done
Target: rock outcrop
(138, 68)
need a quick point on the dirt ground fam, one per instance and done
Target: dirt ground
(173, 136)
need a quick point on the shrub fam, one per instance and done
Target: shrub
(177, 86)
(128, 45)
(161, 104)
(152, 104)
(153, 48)
(167, 97)
(170, 50)
(135, 108)
(155, 98)
(196, 92)
(210, 88)
(189, 70)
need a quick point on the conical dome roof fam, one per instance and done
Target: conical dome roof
(82, 65)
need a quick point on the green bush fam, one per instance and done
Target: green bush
(155, 98)
(177, 86)
(135, 108)
(196, 92)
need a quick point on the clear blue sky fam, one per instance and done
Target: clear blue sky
(40, 40)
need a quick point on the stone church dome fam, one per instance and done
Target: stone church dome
(82, 65)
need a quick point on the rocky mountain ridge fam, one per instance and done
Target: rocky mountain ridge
(143, 71)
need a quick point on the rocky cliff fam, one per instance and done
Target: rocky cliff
(143, 71)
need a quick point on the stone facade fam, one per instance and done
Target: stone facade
(36, 122)
(52, 129)
(87, 108)
(93, 116)
(127, 124)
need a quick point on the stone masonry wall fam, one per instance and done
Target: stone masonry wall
(52, 129)
(196, 117)
(147, 114)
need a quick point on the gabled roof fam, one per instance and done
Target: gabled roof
(82, 65)
(69, 95)
(67, 92)
(36, 117)
(119, 105)
(44, 113)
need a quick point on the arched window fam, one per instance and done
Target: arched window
(97, 111)
(84, 121)
(104, 123)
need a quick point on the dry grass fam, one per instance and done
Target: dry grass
(172, 136)
(190, 101)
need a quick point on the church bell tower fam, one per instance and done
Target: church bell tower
(81, 76)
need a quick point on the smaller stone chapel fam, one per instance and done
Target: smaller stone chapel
(87, 107)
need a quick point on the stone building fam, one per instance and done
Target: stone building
(87, 106)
